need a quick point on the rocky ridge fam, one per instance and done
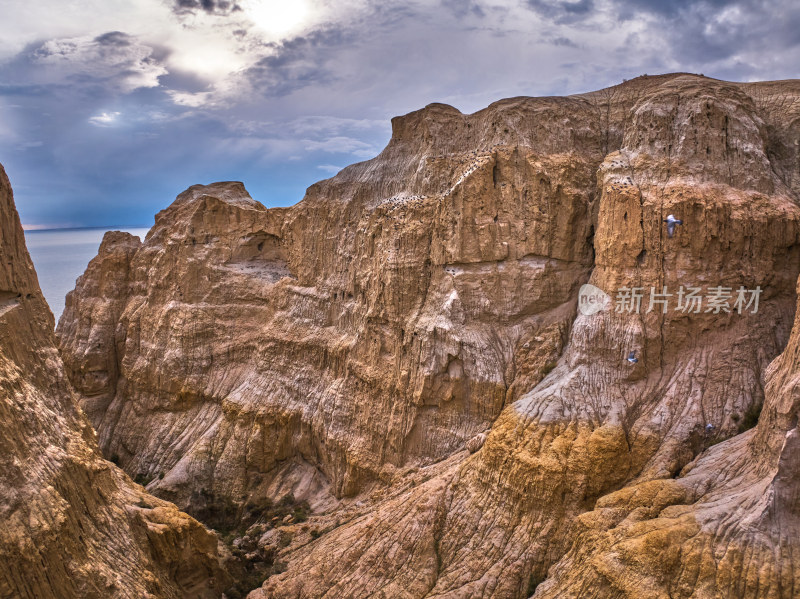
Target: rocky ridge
(73, 524)
(402, 350)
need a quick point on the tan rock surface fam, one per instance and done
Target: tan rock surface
(353, 348)
(72, 525)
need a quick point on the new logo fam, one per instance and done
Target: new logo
(592, 299)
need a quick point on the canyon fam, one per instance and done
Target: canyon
(389, 389)
(73, 524)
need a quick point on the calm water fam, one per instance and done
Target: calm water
(61, 256)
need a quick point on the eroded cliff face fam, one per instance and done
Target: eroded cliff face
(72, 525)
(402, 349)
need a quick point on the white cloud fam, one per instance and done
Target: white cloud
(210, 45)
(341, 145)
(278, 18)
(216, 91)
(24, 23)
(190, 100)
(332, 125)
(114, 57)
(104, 119)
(28, 145)
(329, 168)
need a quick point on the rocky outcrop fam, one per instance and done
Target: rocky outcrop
(403, 350)
(383, 339)
(728, 524)
(74, 525)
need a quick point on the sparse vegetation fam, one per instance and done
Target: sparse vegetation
(750, 417)
(142, 479)
(251, 580)
(219, 513)
(243, 524)
(533, 582)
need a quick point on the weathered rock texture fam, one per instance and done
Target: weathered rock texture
(402, 348)
(72, 525)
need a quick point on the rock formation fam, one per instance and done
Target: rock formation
(403, 350)
(72, 525)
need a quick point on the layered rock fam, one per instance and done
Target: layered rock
(728, 524)
(74, 525)
(408, 335)
(352, 334)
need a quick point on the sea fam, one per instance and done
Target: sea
(60, 256)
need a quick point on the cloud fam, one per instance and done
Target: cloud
(114, 58)
(192, 100)
(104, 119)
(462, 8)
(341, 145)
(29, 145)
(273, 93)
(630, 8)
(330, 124)
(210, 6)
(563, 41)
(736, 39)
(562, 11)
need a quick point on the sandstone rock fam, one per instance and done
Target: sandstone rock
(364, 336)
(728, 523)
(71, 523)
(476, 442)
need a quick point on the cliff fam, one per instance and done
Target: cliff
(403, 350)
(74, 525)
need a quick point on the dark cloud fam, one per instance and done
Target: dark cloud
(210, 6)
(114, 38)
(298, 62)
(113, 62)
(630, 8)
(563, 41)
(707, 33)
(105, 129)
(462, 8)
(562, 11)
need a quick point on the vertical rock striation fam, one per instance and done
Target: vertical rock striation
(72, 524)
(402, 349)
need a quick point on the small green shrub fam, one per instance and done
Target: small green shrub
(301, 512)
(548, 368)
(142, 479)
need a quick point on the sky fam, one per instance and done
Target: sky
(110, 108)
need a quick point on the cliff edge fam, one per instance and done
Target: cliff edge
(404, 352)
(73, 524)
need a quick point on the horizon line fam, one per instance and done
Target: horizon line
(37, 228)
